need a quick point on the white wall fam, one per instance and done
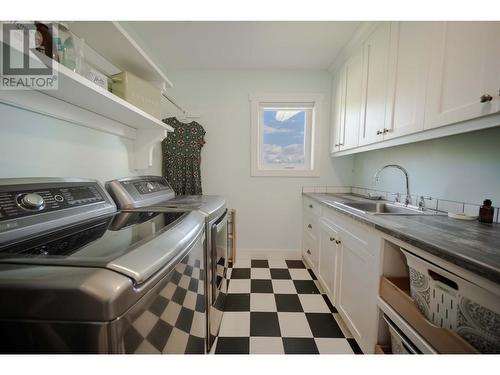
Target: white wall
(269, 208)
(463, 167)
(32, 145)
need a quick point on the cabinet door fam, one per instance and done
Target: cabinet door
(338, 101)
(464, 67)
(376, 74)
(328, 251)
(409, 67)
(353, 101)
(357, 290)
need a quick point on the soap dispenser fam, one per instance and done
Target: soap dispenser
(486, 212)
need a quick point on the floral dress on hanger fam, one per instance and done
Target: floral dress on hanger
(182, 156)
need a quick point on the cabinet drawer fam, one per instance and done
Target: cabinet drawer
(310, 250)
(358, 234)
(311, 226)
(395, 291)
(450, 301)
(311, 206)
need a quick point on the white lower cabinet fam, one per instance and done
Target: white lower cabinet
(358, 289)
(328, 258)
(311, 212)
(345, 256)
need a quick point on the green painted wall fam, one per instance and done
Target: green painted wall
(463, 167)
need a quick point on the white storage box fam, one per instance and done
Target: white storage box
(138, 92)
(451, 302)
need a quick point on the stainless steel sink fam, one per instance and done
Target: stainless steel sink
(384, 208)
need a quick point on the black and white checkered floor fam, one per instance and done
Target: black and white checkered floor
(277, 307)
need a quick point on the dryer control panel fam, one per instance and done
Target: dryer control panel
(140, 191)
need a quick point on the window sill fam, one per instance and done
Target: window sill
(285, 173)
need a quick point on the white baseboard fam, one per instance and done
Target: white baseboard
(244, 254)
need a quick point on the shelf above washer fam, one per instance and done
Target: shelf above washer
(82, 102)
(118, 44)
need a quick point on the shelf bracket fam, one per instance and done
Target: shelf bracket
(144, 144)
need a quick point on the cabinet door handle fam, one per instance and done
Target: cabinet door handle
(310, 206)
(385, 131)
(341, 144)
(309, 226)
(332, 239)
(338, 242)
(308, 252)
(485, 98)
(379, 132)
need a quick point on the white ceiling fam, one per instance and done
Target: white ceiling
(244, 45)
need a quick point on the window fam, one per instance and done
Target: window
(284, 132)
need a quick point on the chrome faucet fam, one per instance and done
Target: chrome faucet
(408, 197)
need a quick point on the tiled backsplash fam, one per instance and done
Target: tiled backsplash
(431, 203)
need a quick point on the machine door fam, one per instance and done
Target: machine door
(172, 317)
(219, 267)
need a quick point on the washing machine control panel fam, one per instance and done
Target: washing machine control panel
(20, 201)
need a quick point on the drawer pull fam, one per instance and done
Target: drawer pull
(485, 98)
(338, 242)
(332, 238)
(309, 226)
(310, 206)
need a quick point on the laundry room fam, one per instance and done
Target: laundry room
(265, 183)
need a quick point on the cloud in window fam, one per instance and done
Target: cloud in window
(273, 130)
(290, 154)
(285, 115)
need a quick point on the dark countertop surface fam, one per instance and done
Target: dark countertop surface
(469, 244)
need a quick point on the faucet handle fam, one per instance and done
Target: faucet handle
(398, 197)
(421, 202)
(408, 200)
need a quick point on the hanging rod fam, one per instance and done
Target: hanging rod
(184, 112)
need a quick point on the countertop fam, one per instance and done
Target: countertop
(468, 244)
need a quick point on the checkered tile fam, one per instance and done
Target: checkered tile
(278, 307)
(174, 321)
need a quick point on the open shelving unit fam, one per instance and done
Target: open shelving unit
(121, 47)
(82, 102)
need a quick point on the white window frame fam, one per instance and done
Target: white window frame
(260, 102)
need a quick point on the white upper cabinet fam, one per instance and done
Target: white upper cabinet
(420, 80)
(347, 103)
(464, 78)
(409, 67)
(353, 101)
(376, 84)
(338, 100)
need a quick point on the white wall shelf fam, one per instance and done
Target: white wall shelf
(81, 102)
(116, 43)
